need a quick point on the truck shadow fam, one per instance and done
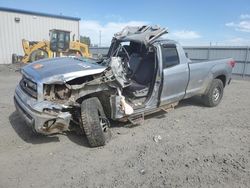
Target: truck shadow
(26, 134)
(194, 101)
(78, 139)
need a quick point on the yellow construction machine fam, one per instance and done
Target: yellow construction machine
(58, 46)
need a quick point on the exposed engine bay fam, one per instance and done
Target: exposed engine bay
(130, 73)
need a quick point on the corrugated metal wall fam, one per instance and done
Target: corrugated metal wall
(30, 27)
(240, 54)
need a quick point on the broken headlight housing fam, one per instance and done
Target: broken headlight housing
(61, 92)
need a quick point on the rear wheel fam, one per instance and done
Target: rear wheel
(38, 54)
(94, 122)
(214, 94)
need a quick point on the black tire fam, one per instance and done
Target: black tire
(94, 122)
(37, 55)
(215, 93)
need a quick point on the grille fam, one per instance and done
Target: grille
(29, 87)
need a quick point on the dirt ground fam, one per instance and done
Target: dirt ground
(200, 147)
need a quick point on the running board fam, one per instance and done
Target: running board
(136, 119)
(167, 108)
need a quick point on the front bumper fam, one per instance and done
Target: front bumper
(39, 119)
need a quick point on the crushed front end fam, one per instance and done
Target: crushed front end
(42, 116)
(43, 97)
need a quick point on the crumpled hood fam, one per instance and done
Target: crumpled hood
(59, 70)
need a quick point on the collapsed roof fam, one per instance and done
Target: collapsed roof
(145, 34)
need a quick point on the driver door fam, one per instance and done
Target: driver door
(175, 75)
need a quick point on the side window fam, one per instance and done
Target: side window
(67, 37)
(170, 56)
(61, 37)
(53, 37)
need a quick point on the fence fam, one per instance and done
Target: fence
(240, 54)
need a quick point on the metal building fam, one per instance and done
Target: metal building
(16, 25)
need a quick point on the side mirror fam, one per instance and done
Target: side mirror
(186, 54)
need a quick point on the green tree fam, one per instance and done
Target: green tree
(85, 40)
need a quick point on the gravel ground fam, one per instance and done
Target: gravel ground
(200, 147)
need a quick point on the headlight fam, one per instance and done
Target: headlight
(31, 85)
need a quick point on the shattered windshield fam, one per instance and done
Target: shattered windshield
(133, 39)
(118, 48)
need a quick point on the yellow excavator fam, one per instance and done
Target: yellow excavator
(58, 46)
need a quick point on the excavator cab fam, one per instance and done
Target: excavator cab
(59, 40)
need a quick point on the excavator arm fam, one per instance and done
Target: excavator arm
(78, 47)
(31, 48)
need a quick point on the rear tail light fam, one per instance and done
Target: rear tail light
(232, 63)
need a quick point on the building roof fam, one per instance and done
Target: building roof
(39, 14)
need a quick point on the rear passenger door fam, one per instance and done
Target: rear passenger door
(175, 74)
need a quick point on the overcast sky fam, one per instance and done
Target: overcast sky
(191, 22)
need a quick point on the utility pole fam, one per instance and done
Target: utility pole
(208, 51)
(100, 38)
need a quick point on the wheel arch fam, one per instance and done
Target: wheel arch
(223, 78)
(104, 98)
(217, 75)
(220, 73)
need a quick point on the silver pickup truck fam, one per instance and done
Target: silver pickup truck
(141, 74)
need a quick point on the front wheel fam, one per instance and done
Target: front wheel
(94, 122)
(215, 93)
